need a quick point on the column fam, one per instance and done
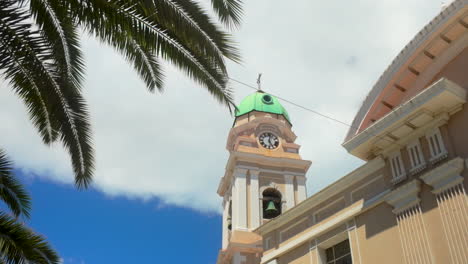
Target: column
(413, 235)
(354, 241)
(314, 252)
(289, 191)
(301, 188)
(239, 201)
(237, 258)
(447, 184)
(254, 199)
(225, 217)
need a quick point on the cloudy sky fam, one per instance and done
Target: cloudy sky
(160, 156)
(325, 55)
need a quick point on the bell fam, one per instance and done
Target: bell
(229, 223)
(271, 208)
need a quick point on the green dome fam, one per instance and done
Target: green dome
(262, 102)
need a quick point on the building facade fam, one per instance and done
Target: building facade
(406, 204)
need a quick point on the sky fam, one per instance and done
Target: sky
(160, 156)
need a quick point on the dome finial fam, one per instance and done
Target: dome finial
(259, 83)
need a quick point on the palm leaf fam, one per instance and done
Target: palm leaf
(104, 19)
(59, 31)
(222, 39)
(178, 19)
(20, 245)
(228, 11)
(11, 191)
(19, 71)
(67, 110)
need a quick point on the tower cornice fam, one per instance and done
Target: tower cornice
(287, 166)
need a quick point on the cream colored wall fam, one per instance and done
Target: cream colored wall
(299, 255)
(378, 236)
(434, 226)
(334, 204)
(355, 245)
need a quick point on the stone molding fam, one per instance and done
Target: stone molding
(404, 197)
(444, 92)
(403, 57)
(445, 176)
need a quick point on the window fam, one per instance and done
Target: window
(416, 155)
(339, 253)
(436, 144)
(271, 203)
(396, 164)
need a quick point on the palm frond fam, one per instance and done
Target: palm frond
(222, 39)
(11, 190)
(20, 245)
(59, 30)
(105, 18)
(29, 51)
(76, 137)
(229, 12)
(145, 64)
(178, 19)
(19, 71)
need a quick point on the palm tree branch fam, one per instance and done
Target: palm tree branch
(221, 38)
(60, 32)
(66, 114)
(228, 11)
(23, 83)
(147, 66)
(218, 80)
(19, 244)
(175, 18)
(98, 15)
(11, 191)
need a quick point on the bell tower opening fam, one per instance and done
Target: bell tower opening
(271, 203)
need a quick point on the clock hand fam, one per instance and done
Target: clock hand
(272, 141)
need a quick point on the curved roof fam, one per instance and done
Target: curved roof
(362, 118)
(261, 102)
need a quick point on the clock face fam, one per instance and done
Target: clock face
(268, 140)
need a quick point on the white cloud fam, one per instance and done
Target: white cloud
(325, 55)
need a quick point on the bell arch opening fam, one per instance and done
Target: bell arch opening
(271, 203)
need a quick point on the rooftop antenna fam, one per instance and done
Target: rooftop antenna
(259, 82)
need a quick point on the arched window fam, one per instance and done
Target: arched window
(271, 203)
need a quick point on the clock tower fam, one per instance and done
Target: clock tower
(265, 176)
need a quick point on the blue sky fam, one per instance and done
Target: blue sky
(87, 227)
(158, 154)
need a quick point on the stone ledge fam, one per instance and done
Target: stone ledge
(445, 176)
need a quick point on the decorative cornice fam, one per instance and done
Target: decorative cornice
(443, 93)
(403, 57)
(404, 197)
(445, 176)
(240, 171)
(280, 162)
